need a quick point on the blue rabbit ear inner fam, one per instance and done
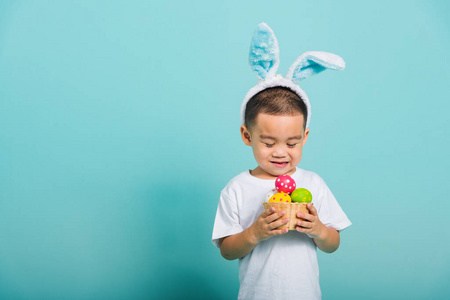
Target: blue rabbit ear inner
(313, 62)
(304, 71)
(264, 52)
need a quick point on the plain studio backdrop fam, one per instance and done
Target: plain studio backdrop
(119, 126)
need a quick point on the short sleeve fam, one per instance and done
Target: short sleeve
(227, 219)
(330, 212)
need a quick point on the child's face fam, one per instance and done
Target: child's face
(277, 143)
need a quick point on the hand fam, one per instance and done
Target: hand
(266, 225)
(310, 223)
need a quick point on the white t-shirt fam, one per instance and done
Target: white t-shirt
(284, 266)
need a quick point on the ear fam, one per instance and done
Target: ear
(305, 136)
(313, 62)
(264, 57)
(245, 135)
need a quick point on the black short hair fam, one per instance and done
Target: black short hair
(275, 101)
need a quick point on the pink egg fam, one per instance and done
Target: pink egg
(285, 184)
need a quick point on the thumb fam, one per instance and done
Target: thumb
(312, 209)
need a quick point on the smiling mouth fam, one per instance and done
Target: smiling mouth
(280, 164)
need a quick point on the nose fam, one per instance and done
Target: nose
(279, 151)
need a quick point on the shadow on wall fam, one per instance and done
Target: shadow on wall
(184, 256)
(186, 284)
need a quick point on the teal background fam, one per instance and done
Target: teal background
(119, 126)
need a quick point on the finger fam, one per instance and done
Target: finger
(278, 223)
(304, 224)
(278, 231)
(267, 212)
(304, 230)
(275, 216)
(300, 229)
(312, 209)
(305, 216)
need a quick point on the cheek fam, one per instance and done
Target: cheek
(297, 154)
(261, 152)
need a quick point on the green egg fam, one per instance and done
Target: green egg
(301, 196)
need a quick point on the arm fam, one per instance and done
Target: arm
(265, 226)
(326, 239)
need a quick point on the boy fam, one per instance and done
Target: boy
(276, 263)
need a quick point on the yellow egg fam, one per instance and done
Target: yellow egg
(280, 197)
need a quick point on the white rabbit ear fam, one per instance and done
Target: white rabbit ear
(313, 62)
(264, 57)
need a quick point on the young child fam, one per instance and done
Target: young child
(276, 263)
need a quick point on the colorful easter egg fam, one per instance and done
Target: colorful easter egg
(280, 197)
(285, 184)
(301, 196)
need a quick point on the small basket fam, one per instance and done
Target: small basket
(291, 210)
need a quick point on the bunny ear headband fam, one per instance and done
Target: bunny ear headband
(264, 59)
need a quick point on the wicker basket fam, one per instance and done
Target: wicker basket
(291, 210)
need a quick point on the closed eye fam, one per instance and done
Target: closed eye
(268, 145)
(291, 145)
